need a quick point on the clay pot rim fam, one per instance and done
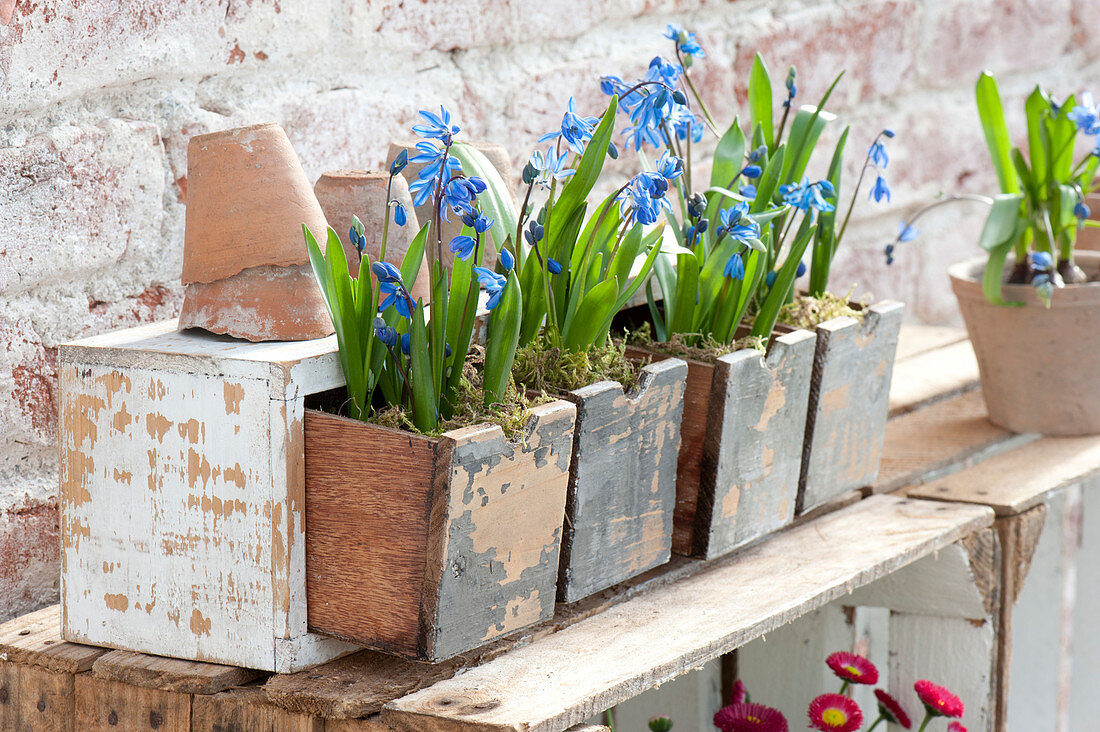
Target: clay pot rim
(966, 283)
(353, 174)
(231, 132)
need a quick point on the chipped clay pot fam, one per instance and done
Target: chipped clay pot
(741, 445)
(1040, 368)
(346, 193)
(245, 262)
(436, 546)
(501, 160)
(622, 483)
(849, 402)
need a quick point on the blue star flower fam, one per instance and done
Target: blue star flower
(670, 166)
(575, 129)
(400, 215)
(1085, 115)
(385, 333)
(748, 191)
(406, 344)
(673, 32)
(396, 297)
(1081, 211)
(1041, 261)
(877, 154)
(438, 126)
(460, 195)
(737, 224)
(550, 166)
(386, 272)
(432, 155)
(907, 232)
(735, 267)
(493, 284)
(880, 190)
(806, 196)
(507, 260)
(462, 246)
(757, 154)
(553, 265)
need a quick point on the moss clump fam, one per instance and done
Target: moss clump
(810, 312)
(511, 414)
(547, 368)
(693, 346)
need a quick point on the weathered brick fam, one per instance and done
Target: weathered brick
(29, 549)
(964, 37)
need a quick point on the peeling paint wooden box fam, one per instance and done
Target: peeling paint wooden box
(849, 401)
(741, 445)
(622, 483)
(183, 495)
(428, 548)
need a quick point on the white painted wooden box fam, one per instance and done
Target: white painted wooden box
(182, 495)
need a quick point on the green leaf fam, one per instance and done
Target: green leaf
(424, 401)
(821, 257)
(1037, 109)
(659, 330)
(687, 293)
(806, 129)
(761, 104)
(992, 116)
(729, 156)
(414, 256)
(784, 280)
(582, 332)
(500, 348)
(578, 186)
(998, 236)
(768, 182)
(1063, 133)
(496, 200)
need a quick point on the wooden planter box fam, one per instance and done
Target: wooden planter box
(741, 445)
(427, 548)
(622, 483)
(849, 400)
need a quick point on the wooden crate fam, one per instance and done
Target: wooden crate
(183, 495)
(622, 483)
(431, 547)
(849, 398)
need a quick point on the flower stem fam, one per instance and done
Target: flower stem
(880, 718)
(844, 687)
(783, 121)
(927, 719)
(385, 222)
(695, 93)
(855, 193)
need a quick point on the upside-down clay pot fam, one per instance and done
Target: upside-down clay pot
(497, 155)
(346, 193)
(1039, 367)
(245, 262)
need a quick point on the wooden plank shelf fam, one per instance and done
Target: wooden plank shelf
(657, 636)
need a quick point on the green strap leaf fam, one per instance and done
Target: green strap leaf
(729, 156)
(992, 116)
(597, 306)
(761, 104)
(496, 200)
(500, 348)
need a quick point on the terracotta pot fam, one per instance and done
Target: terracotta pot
(436, 546)
(1088, 237)
(622, 483)
(247, 198)
(849, 402)
(1040, 368)
(501, 160)
(346, 193)
(741, 445)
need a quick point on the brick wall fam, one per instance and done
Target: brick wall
(98, 99)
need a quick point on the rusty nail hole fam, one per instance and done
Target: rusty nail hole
(446, 702)
(46, 643)
(314, 676)
(4, 695)
(41, 705)
(155, 720)
(24, 632)
(112, 718)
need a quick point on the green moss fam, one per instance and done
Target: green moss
(511, 414)
(544, 367)
(695, 347)
(810, 312)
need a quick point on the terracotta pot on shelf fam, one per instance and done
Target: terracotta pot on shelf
(501, 160)
(346, 193)
(439, 545)
(1039, 367)
(245, 262)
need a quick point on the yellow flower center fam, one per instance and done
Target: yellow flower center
(755, 720)
(834, 717)
(853, 670)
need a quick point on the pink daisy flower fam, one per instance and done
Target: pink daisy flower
(852, 668)
(746, 717)
(937, 700)
(835, 713)
(889, 708)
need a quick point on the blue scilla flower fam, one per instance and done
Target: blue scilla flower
(735, 267)
(757, 154)
(1081, 211)
(400, 215)
(386, 272)
(507, 260)
(1085, 115)
(399, 162)
(432, 155)
(575, 129)
(460, 195)
(737, 224)
(748, 191)
(685, 123)
(670, 166)
(534, 233)
(438, 126)
(1041, 261)
(751, 171)
(397, 297)
(806, 196)
(406, 344)
(877, 154)
(645, 196)
(549, 166)
(611, 85)
(880, 190)
(493, 284)
(477, 221)
(664, 71)
(769, 279)
(462, 246)
(907, 232)
(801, 269)
(673, 32)
(385, 333)
(357, 240)
(1044, 287)
(553, 265)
